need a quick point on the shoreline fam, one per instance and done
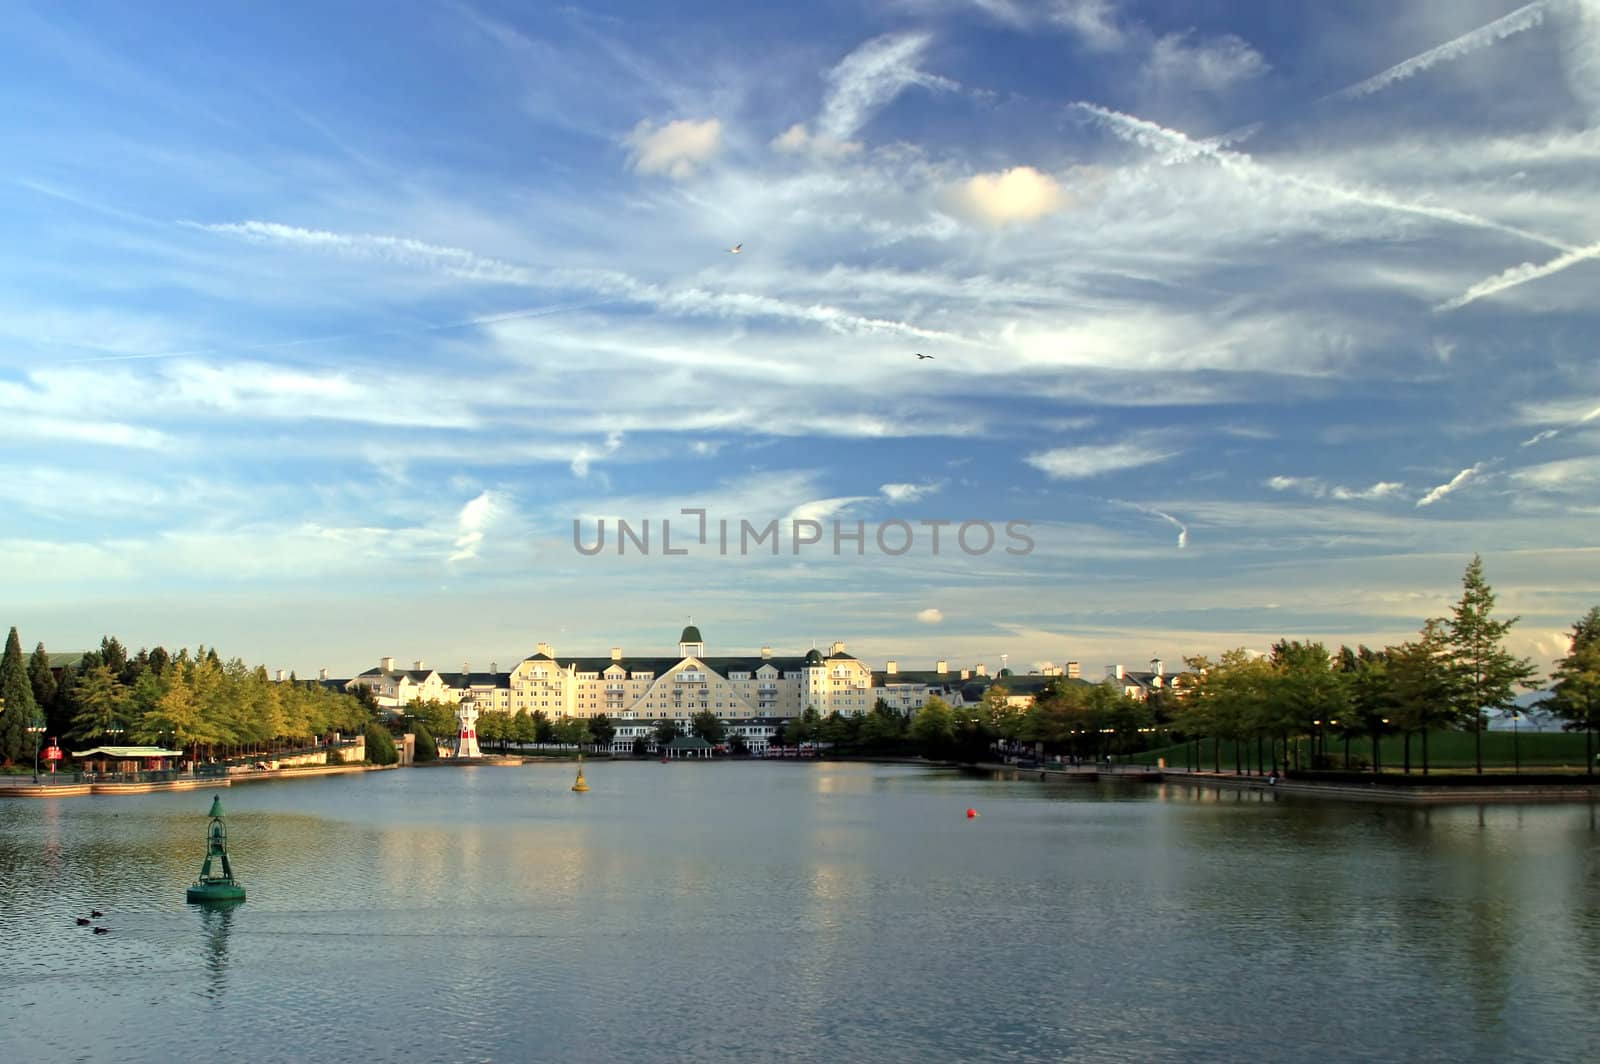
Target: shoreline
(1503, 790)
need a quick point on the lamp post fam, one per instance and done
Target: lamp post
(37, 728)
(1516, 750)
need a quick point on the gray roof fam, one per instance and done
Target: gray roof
(688, 742)
(460, 680)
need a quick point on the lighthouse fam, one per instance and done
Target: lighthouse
(216, 882)
(467, 738)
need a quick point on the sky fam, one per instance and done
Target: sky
(324, 326)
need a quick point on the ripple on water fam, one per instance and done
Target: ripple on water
(797, 912)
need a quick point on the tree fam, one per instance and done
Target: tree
(41, 678)
(16, 695)
(525, 729)
(425, 749)
(1304, 692)
(1575, 697)
(100, 701)
(1485, 673)
(1420, 684)
(934, 727)
(706, 725)
(380, 746)
(667, 730)
(493, 726)
(438, 717)
(602, 729)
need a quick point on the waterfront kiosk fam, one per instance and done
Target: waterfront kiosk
(125, 760)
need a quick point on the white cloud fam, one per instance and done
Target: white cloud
(1021, 194)
(824, 509)
(676, 149)
(930, 616)
(1179, 61)
(908, 492)
(1317, 489)
(1077, 463)
(108, 433)
(1094, 21)
(1565, 476)
(471, 523)
(1455, 482)
(869, 78)
(1540, 437)
(586, 455)
(798, 140)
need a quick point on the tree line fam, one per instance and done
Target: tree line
(1452, 675)
(195, 701)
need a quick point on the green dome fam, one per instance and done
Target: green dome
(691, 634)
(814, 658)
(1003, 674)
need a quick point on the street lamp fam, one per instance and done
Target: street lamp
(37, 728)
(1516, 750)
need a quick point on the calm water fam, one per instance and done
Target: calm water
(739, 912)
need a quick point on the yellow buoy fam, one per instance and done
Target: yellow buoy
(580, 785)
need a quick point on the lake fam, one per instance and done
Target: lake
(797, 912)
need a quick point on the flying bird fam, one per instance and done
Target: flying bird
(736, 249)
(921, 355)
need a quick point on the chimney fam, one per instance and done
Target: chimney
(983, 670)
(466, 668)
(494, 667)
(544, 648)
(388, 664)
(890, 668)
(616, 653)
(837, 648)
(942, 666)
(417, 665)
(282, 675)
(1157, 668)
(1113, 672)
(1073, 671)
(322, 674)
(966, 674)
(766, 653)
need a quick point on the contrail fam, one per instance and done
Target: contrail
(1183, 530)
(1524, 18)
(1180, 147)
(1520, 275)
(465, 323)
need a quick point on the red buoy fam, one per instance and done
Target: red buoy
(972, 814)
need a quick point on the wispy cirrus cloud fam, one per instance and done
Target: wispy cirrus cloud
(1081, 463)
(869, 78)
(1521, 275)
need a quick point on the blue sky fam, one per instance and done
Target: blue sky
(321, 324)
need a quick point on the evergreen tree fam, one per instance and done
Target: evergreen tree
(1576, 694)
(16, 696)
(101, 701)
(1486, 674)
(41, 678)
(426, 749)
(380, 746)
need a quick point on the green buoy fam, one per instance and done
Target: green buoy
(216, 882)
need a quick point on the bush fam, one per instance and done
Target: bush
(380, 746)
(334, 756)
(426, 748)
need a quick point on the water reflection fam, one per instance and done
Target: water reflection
(817, 912)
(216, 920)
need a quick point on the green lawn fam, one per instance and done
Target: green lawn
(1446, 750)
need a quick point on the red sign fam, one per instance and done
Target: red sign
(52, 753)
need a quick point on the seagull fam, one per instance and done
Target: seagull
(736, 249)
(921, 355)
